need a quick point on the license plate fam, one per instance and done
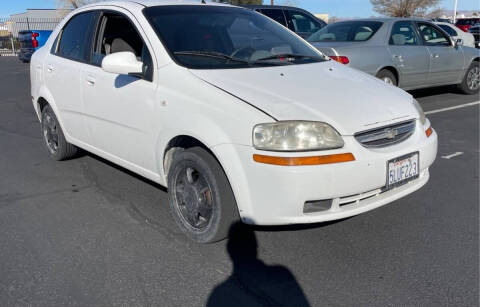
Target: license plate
(403, 169)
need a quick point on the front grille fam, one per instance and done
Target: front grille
(387, 135)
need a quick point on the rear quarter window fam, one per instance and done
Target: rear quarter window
(354, 31)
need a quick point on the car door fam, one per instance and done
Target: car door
(446, 60)
(120, 108)
(409, 55)
(63, 71)
(302, 23)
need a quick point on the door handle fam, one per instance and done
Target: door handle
(50, 68)
(435, 56)
(397, 57)
(90, 80)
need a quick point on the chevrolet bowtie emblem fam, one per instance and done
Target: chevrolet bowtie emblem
(391, 133)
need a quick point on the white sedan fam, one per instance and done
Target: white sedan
(239, 117)
(467, 38)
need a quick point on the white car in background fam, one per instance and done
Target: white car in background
(239, 117)
(457, 33)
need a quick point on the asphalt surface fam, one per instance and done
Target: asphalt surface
(87, 233)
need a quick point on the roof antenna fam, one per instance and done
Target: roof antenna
(204, 2)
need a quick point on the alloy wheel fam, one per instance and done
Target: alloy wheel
(473, 78)
(50, 132)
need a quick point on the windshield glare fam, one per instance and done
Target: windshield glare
(217, 37)
(349, 31)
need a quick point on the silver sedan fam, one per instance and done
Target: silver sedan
(409, 53)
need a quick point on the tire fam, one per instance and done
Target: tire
(201, 198)
(388, 77)
(471, 81)
(53, 138)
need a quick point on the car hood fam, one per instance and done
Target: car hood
(349, 100)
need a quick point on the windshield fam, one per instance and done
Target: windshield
(349, 31)
(217, 37)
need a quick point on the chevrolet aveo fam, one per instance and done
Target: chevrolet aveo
(238, 116)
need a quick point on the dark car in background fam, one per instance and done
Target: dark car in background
(30, 41)
(466, 23)
(475, 31)
(296, 19)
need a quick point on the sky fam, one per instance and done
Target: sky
(340, 8)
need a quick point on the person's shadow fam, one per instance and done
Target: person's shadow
(253, 283)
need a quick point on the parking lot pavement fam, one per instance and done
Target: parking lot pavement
(85, 232)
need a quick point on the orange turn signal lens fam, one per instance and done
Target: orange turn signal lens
(298, 161)
(429, 132)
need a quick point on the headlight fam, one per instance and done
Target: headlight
(417, 106)
(296, 136)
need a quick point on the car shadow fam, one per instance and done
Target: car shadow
(122, 169)
(432, 91)
(252, 282)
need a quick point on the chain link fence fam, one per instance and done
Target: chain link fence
(10, 27)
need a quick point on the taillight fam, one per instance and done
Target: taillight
(34, 39)
(340, 59)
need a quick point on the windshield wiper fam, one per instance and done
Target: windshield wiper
(288, 56)
(209, 54)
(219, 55)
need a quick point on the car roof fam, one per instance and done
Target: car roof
(388, 19)
(149, 3)
(284, 7)
(444, 23)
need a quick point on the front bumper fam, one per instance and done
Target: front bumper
(276, 195)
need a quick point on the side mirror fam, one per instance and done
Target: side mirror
(459, 42)
(123, 63)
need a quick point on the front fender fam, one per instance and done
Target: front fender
(198, 127)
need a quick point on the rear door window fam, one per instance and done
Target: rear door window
(76, 38)
(275, 14)
(404, 34)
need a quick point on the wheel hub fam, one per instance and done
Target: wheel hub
(194, 198)
(388, 80)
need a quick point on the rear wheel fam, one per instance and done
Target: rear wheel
(471, 82)
(388, 77)
(201, 199)
(53, 137)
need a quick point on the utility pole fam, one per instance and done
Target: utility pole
(271, 2)
(454, 12)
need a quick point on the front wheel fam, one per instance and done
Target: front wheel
(471, 82)
(200, 196)
(388, 77)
